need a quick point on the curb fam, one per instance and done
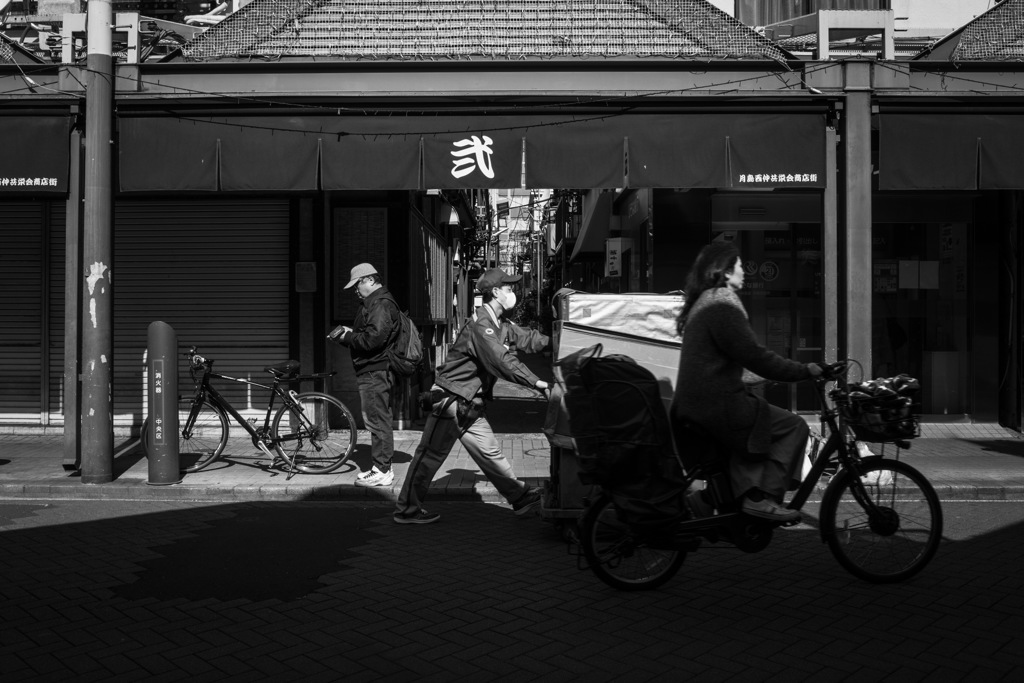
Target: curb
(482, 492)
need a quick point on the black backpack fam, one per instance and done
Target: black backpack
(405, 355)
(621, 433)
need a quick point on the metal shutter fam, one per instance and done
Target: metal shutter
(55, 308)
(22, 296)
(217, 271)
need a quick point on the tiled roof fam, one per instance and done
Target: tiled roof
(997, 35)
(12, 53)
(481, 29)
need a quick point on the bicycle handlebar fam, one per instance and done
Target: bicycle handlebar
(833, 371)
(195, 360)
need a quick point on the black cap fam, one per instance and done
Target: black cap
(495, 277)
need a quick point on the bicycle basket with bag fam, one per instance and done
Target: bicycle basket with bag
(880, 410)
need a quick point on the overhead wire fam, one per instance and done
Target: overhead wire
(624, 101)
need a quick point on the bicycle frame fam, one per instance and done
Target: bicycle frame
(310, 432)
(260, 437)
(206, 391)
(837, 444)
(874, 536)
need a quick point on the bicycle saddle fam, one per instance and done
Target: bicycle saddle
(285, 370)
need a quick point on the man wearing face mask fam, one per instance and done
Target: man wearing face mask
(462, 386)
(374, 330)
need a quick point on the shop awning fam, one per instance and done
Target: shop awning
(215, 153)
(755, 150)
(938, 151)
(35, 154)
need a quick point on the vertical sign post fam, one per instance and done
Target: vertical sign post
(162, 435)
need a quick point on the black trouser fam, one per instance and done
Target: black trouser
(375, 396)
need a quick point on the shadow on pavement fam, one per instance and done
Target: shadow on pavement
(259, 552)
(314, 590)
(1004, 446)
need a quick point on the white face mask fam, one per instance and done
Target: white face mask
(507, 300)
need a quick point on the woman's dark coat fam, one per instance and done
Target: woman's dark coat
(718, 343)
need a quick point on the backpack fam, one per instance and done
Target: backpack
(406, 353)
(622, 435)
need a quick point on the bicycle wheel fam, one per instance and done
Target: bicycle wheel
(203, 443)
(618, 556)
(885, 526)
(317, 440)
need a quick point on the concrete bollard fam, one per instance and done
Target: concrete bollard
(162, 435)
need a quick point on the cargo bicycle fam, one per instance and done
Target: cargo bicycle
(880, 517)
(310, 432)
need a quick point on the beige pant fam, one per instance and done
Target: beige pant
(780, 471)
(442, 430)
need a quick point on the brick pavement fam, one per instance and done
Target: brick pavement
(121, 591)
(238, 574)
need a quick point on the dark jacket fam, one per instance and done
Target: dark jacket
(718, 343)
(481, 354)
(374, 330)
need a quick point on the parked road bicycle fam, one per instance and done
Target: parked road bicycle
(310, 432)
(880, 517)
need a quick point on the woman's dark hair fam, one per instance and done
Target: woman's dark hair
(710, 269)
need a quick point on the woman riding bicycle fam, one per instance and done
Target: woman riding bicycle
(765, 442)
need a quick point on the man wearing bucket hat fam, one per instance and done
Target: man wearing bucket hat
(462, 386)
(375, 329)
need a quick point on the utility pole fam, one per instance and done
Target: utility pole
(97, 427)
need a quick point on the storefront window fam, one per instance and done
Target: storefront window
(782, 294)
(920, 314)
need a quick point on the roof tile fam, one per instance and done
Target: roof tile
(481, 29)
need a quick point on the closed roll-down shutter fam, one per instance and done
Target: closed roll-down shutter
(22, 283)
(56, 305)
(217, 271)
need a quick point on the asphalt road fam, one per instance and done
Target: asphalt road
(109, 590)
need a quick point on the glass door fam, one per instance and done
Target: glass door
(920, 310)
(782, 295)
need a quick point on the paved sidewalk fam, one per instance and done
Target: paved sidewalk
(965, 462)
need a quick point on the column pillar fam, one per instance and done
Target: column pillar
(857, 234)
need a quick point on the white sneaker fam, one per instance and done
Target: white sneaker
(374, 477)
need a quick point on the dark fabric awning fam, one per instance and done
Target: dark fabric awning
(167, 154)
(742, 150)
(754, 150)
(36, 154)
(583, 152)
(938, 151)
(215, 153)
(468, 152)
(280, 159)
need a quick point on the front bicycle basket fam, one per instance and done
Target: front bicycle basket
(881, 410)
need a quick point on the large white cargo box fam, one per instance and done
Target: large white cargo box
(645, 315)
